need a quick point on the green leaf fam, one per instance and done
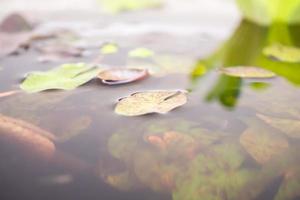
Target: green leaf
(141, 53)
(109, 48)
(283, 53)
(65, 77)
(116, 6)
(271, 11)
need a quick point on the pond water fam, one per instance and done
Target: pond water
(234, 139)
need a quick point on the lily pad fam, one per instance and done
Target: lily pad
(142, 103)
(247, 72)
(122, 76)
(290, 127)
(283, 53)
(65, 77)
(141, 53)
(263, 145)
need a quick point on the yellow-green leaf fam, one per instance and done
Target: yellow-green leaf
(109, 48)
(283, 53)
(116, 6)
(65, 77)
(141, 53)
(142, 103)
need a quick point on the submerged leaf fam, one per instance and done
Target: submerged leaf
(65, 77)
(109, 48)
(122, 76)
(216, 175)
(142, 103)
(288, 126)
(116, 6)
(27, 139)
(247, 72)
(141, 53)
(262, 145)
(290, 187)
(283, 53)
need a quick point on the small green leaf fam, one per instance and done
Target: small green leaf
(116, 6)
(141, 53)
(283, 53)
(109, 48)
(65, 77)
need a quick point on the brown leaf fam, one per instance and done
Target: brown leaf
(142, 103)
(290, 127)
(262, 145)
(122, 76)
(25, 139)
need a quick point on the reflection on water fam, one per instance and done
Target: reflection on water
(243, 147)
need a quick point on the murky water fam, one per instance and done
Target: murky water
(234, 139)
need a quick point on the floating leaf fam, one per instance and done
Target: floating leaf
(283, 53)
(288, 126)
(262, 145)
(141, 53)
(27, 139)
(15, 23)
(65, 77)
(122, 76)
(142, 103)
(247, 72)
(116, 6)
(109, 48)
